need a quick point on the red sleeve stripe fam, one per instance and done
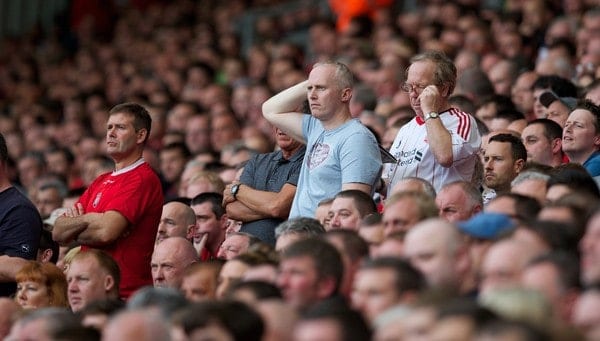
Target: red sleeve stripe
(464, 123)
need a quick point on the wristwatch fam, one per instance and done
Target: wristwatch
(234, 190)
(431, 114)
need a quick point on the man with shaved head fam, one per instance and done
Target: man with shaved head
(169, 260)
(437, 248)
(177, 220)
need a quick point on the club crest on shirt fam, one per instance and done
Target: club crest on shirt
(25, 248)
(319, 153)
(97, 200)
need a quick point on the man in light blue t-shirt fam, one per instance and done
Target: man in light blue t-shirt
(341, 153)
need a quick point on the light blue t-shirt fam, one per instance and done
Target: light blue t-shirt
(346, 154)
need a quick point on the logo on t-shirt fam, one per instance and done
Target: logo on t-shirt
(25, 248)
(97, 200)
(318, 154)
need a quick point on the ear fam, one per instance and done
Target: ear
(190, 232)
(109, 283)
(597, 140)
(346, 95)
(223, 221)
(141, 135)
(326, 287)
(46, 255)
(444, 91)
(478, 208)
(519, 164)
(556, 145)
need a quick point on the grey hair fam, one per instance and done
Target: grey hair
(302, 225)
(529, 175)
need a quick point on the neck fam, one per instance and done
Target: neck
(126, 161)
(288, 153)
(213, 244)
(557, 160)
(4, 185)
(337, 120)
(580, 157)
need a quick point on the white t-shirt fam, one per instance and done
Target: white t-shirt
(411, 149)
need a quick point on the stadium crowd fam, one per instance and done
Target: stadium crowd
(365, 170)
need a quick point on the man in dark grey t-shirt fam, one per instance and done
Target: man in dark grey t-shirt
(263, 197)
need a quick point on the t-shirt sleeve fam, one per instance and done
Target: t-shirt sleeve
(463, 148)
(360, 160)
(308, 123)
(294, 174)
(247, 177)
(20, 232)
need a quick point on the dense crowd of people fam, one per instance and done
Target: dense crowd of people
(404, 170)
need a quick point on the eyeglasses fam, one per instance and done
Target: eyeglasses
(410, 88)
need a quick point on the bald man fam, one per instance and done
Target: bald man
(169, 260)
(437, 249)
(177, 220)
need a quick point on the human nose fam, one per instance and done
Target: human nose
(488, 164)
(221, 253)
(335, 221)
(159, 273)
(21, 294)
(282, 280)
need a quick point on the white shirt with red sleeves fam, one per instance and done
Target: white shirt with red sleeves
(415, 158)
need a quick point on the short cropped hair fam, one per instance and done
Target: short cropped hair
(517, 147)
(343, 76)
(215, 199)
(362, 201)
(326, 258)
(141, 117)
(105, 261)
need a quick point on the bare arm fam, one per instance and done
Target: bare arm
(440, 140)
(96, 229)
(264, 203)
(358, 186)
(238, 211)
(9, 266)
(281, 110)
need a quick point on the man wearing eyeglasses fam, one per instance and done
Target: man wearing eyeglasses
(441, 143)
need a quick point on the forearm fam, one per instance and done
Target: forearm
(286, 101)
(95, 229)
(282, 110)
(265, 203)
(440, 142)
(66, 229)
(357, 186)
(97, 232)
(438, 137)
(9, 266)
(238, 211)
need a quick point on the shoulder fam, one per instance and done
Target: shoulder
(12, 197)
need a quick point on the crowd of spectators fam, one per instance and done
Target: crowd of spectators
(511, 250)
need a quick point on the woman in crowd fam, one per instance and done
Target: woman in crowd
(41, 285)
